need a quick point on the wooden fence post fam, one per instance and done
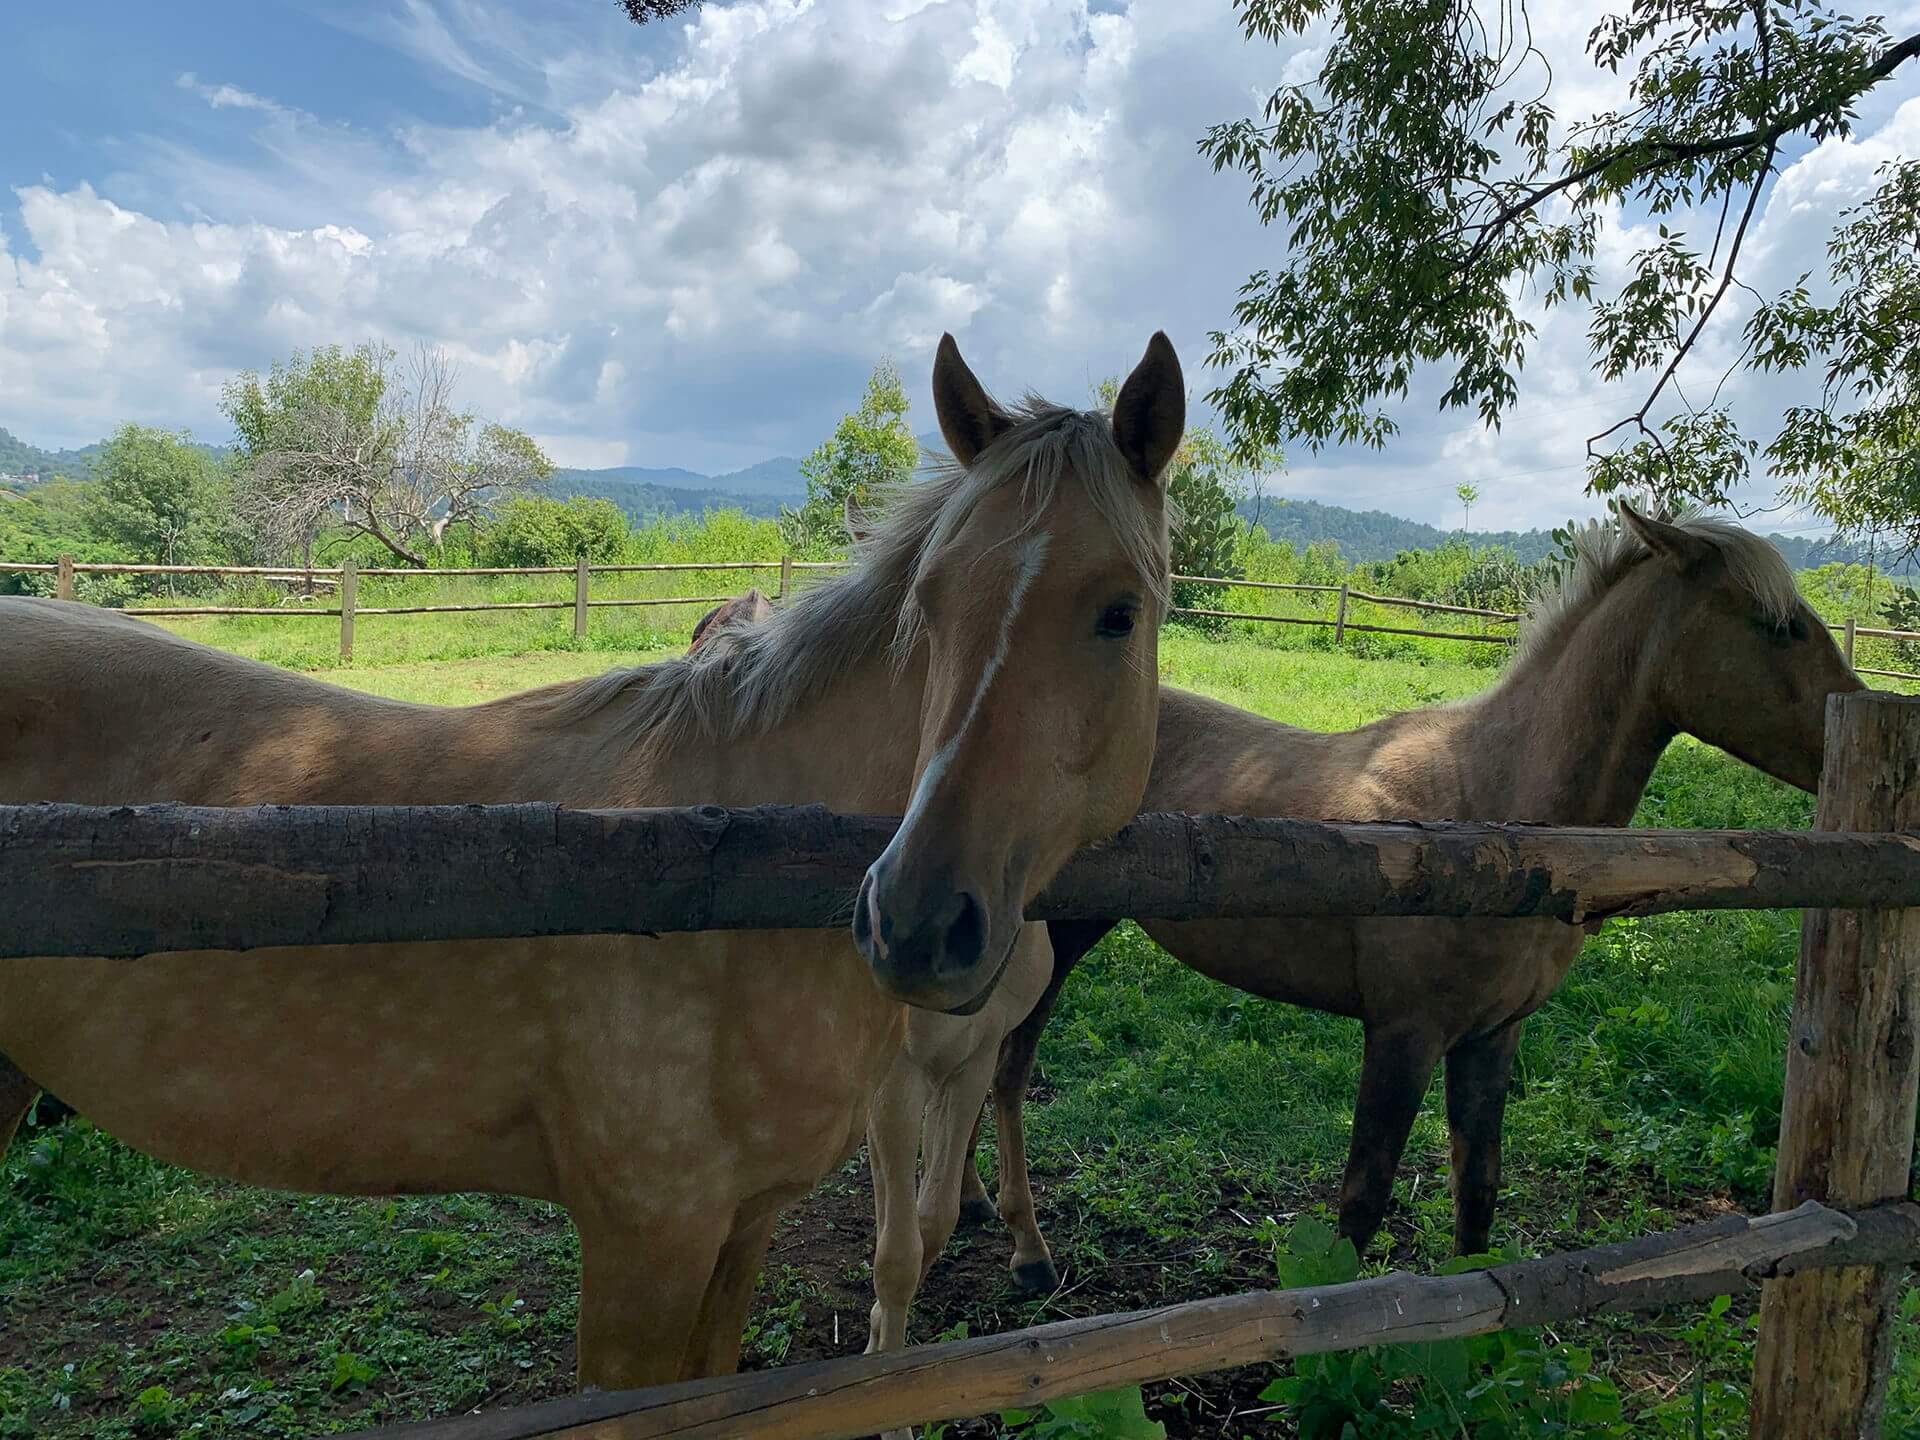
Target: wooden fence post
(1846, 644)
(1340, 620)
(349, 595)
(786, 576)
(1853, 1074)
(580, 598)
(63, 583)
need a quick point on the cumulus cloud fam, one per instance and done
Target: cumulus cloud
(690, 249)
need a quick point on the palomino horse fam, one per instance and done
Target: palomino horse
(673, 1093)
(1658, 629)
(944, 1058)
(746, 609)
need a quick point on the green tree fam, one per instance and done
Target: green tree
(540, 530)
(871, 451)
(1466, 495)
(161, 498)
(1428, 184)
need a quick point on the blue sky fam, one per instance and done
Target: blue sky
(686, 244)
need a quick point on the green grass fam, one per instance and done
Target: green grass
(1179, 1130)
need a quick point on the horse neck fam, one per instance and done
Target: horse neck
(1572, 734)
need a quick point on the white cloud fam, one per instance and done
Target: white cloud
(691, 250)
(226, 97)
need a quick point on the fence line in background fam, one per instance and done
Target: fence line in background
(66, 568)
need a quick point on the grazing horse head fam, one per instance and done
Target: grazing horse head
(747, 609)
(1036, 593)
(1708, 620)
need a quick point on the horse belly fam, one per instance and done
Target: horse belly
(363, 1070)
(1300, 962)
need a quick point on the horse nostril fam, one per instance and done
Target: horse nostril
(966, 937)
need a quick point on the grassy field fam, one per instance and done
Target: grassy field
(1180, 1134)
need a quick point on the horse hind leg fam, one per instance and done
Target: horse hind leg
(1393, 1081)
(1033, 1269)
(976, 1206)
(1478, 1073)
(17, 1094)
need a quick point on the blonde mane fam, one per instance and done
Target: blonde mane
(767, 671)
(1605, 551)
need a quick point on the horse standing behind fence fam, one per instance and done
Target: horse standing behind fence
(1658, 629)
(990, 669)
(747, 609)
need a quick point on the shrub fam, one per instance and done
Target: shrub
(539, 530)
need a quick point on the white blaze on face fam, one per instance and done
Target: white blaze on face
(1029, 560)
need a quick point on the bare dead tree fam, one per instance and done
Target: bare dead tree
(403, 471)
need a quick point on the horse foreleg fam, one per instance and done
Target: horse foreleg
(715, 1346)
(1478, 1072)
(643, 1283)
(893, 1146)
(948, 1129)
(1032, 1263)
(16, 1098)
(1393, 1080)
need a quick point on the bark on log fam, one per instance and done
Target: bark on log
(864, 1395)
(1853, 1078)
(135, 880)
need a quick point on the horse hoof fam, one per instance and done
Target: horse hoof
(978, 1211)
(1036, 1277)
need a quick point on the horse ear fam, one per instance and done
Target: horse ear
(969, 420)
(1150, 415)
(1678, 547)
(859, 528)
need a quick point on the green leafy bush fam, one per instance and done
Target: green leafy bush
(539, 530)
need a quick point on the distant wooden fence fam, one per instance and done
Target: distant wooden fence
(345, 579)
(134, 881)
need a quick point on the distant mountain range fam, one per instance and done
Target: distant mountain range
(17, 457)
(645, 494)
(1368, 535)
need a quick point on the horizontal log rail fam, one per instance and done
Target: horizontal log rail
(841, 1399)
(136, 880)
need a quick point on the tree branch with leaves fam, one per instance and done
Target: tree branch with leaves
(1432, 194)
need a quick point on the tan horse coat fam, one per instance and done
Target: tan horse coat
(675, 1093)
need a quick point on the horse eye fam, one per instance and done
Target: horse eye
(1797, 628)
(1116, 622)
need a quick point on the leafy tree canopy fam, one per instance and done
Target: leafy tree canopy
(1431, 192)
(871, 451)
(160, 498)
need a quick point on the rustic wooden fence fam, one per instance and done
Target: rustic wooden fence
(140, 880)
(344, 580)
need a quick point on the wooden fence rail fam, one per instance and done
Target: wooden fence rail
(66, 568)
(134, 880)
(842, 1399)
